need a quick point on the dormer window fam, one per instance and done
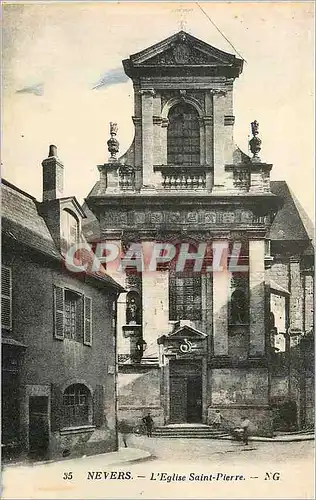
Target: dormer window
(69, 227)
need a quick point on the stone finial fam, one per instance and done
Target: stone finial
(255, 141)
(113, 144)
(52, 151)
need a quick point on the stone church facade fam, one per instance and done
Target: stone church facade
(191, 342)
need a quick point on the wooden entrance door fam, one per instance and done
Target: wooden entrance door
(194, 399)
(185, 396)
(178, 400)
(38, 426)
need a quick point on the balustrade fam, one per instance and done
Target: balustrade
(188, 178)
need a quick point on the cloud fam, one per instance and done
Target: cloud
(37, 89)
(111, 77)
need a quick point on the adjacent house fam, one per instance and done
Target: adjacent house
(58, 330)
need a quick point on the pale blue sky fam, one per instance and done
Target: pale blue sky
(61, 50)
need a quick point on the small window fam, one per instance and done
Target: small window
(73, 316)
(77, 406)
(6, 298)
(69, 228)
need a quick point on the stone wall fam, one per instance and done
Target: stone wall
(241, 392)
(139, 390)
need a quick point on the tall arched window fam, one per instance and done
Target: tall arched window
(183, 139)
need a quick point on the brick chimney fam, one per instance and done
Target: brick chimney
(53, 176)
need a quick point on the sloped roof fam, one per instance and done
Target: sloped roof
(22, 222)
(291, 222)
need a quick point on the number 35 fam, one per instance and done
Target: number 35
(67, 475)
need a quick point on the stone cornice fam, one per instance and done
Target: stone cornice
(147, 92)
(136, 120)
(229, 120)
(218, 92)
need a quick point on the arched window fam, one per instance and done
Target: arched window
(77, 406)
(69, 227)
(183, 137)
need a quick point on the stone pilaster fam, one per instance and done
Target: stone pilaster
(113, 270)
(164, 133)
(155, 300)
(308, 302)
(157, 121)
(208, 126)
(218, 136)
(138, 149)
(257, 298)
(229, 121)
(297, 295)
(220, 307)
(147, 135)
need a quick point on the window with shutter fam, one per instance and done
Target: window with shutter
(59, 316)
(6, 298)
(87, 334)
(98, 406)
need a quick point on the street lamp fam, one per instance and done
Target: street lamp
(141, 346)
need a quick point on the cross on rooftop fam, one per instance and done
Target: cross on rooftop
(183, 13)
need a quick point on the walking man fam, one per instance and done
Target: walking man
(245, 428)
(124, 430)
(217, 421)
(148, 421)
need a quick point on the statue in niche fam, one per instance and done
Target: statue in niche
(132, 309)
(239, 307)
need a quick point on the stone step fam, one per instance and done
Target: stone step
(198, 432)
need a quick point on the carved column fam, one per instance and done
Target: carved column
(147, 135)
(221, 280)
(257, 297)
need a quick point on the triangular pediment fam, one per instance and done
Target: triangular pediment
(182, 49)
(187, 332)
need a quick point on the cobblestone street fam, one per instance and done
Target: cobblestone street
(264, 470)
